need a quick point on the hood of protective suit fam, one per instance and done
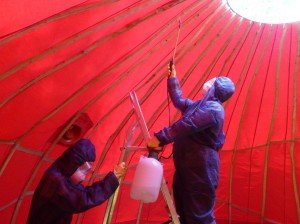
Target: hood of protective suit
(222, 89)
(82, 151)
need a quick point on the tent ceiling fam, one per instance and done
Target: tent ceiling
(60, 60)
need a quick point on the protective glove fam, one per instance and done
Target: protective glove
(171, 70)
(153, 143)
(120, 170)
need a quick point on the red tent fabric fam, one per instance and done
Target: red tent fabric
(75, 62)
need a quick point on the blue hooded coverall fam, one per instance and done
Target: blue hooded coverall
(56, 198)
(197, 136)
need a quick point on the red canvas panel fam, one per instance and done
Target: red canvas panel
(62, 60)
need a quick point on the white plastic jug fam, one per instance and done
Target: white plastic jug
(147, 180)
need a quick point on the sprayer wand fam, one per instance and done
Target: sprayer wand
(172, 62)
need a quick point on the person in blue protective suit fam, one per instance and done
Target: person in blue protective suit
(60, 193)
(198, 136)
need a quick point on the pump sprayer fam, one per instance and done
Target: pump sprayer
(149, 172)
(147, 180)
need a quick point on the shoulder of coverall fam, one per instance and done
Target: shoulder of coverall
(82, 151)
(224, 88)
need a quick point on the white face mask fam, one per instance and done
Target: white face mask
(79, 175)
(207, 86)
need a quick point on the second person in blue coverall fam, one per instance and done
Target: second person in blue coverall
(198, 136)
(60, 193)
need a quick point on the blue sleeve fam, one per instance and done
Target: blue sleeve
(77, 198)
(175, 92)
(199, 120)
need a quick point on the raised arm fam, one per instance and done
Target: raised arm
(175, 91)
